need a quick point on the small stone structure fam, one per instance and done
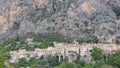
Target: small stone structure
(73, 51)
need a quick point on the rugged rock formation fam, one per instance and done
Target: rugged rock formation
(71, 18)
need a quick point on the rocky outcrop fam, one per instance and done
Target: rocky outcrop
(71, 18)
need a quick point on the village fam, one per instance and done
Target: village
(72, 51)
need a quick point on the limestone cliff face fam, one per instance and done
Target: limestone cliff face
(71, 18)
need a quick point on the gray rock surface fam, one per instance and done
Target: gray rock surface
(71, 18)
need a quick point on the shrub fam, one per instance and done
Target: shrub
(117, 11)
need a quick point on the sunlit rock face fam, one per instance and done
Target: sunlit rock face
(71, 18)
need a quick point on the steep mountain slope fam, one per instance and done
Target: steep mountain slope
(71, 18)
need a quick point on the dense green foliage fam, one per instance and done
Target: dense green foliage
(92, 39)
(17, 43)
(117, 41)
(2, 59)
(53, 61)
(100, 64)
(51, 37)
(67, 65)
(117, 11)
(115, 59)
(96, 54)
(39, 62)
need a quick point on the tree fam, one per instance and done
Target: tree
(96, 54)
(114, 59)
(88, 65)
(2, 58)
(107, 66)
(40, 63)
(99, 63)
(80, 63)
(21, 63)
(117, 41)
(94, 39)
(53, 61)
(67, 65)
(117, 11)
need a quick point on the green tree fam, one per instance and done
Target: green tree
(117, 11)
(67, 65)
(96, 54)
(88, 65)
(114, 59)
(53, 61)
(99, 63)
(94, 39)
(80, 63)
(117, 41)
(2, 58)
(21, 63)
(40, 63)
(107, 66)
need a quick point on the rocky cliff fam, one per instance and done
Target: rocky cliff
(71, 18)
